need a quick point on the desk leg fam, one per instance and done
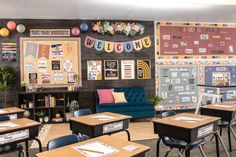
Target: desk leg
(232, 130)
(27, 148)
(128, 134)
(217, 143)
(39, 143)
(187, 152)
(222, 142)
(158, 145)
(229, 139)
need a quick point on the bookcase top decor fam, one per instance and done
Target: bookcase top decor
(50, 62)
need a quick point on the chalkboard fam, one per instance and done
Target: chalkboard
(196, 40)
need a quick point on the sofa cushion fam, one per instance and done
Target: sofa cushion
(119, 97)
(133, 94)
(105, 96)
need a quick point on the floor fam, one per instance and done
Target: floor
(209, 149)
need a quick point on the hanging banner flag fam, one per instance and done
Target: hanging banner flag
(119, 47)
(43, 51)
(31, 49)
(99, 44)
(109, 46)
(137, 45)
(128, 46)
(146, 41)
(89, 42)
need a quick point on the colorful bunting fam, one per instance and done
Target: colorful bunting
(118, 47)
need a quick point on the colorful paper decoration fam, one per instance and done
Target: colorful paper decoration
(118, 28)
(118, 47)
(83, 27)
(43, 51)
(20, 28)
(31, 49)
(9, 52)
(4, 32)
(144, 69)
(11, 25)
(75, 31)
(94, 70)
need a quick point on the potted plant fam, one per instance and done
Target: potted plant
(156, 100)
(73, 106)
(6, 78)
(41, 114)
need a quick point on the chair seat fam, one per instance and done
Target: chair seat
(180, 144)
(9, 148)
(223, 124)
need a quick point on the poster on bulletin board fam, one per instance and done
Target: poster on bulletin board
(221, 75)
(50, 62)
(178, 86)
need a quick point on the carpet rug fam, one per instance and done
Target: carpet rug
(138, 131)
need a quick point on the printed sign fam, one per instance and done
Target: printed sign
(49, 32)
(111, 70)
(56, 65)
(94, 70)
(112, 127)
(205, 130)
(127, 69)
(14, 136)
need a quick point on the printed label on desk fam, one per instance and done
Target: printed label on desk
(14, 136)
(205, 130)
(13, 116)
(112, 127)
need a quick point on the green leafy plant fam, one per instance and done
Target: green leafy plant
(40, 114)
(156, 100)
(6, 78)
(73, 106)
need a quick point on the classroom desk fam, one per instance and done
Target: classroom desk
(12, 112)
(19, 130)
(226, 111)
(110, 141)
(188, 131)
(98, 124)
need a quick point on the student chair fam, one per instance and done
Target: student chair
(1, 106)
(82, 112)
(180, 144)
(62, 141)
(11, 147)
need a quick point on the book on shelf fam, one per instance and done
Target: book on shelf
(47, 103)
(57, 120)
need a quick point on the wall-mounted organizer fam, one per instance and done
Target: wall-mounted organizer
(53, 104)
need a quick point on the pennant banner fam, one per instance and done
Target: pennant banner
(118, 47)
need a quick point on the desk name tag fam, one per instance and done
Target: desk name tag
(14, 136)
(113, 127)
(205, 130)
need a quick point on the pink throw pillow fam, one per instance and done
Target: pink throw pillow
(105, 96)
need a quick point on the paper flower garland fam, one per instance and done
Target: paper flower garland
(118, 28)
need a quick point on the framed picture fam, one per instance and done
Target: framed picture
(94, 70)
(144, 69)
(127, 69)
(111, 70)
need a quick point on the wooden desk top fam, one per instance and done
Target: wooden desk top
(10, 110)
(221, 106)
(21, 124)
(92, 119)
(203, 120)
(106, 139)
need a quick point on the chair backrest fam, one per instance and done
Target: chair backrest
(62, 141)
(82, 112)
(1, 106)
(4, 118)
(168, 113)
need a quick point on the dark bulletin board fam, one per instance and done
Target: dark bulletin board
(195, 40)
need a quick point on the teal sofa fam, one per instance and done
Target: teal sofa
(137, 105)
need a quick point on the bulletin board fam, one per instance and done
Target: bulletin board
(50, 62)
(192, 39)
(178, 86)
(221, 75)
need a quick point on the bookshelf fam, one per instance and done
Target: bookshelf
(51, 103)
